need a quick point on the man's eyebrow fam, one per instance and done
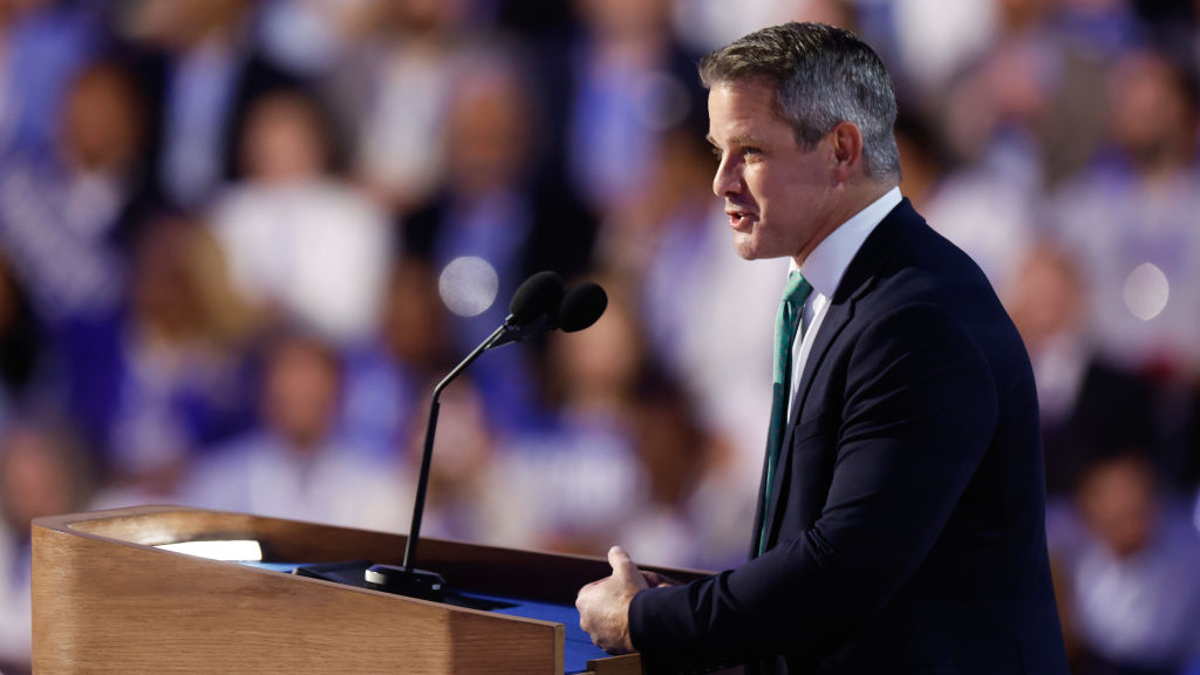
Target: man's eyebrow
(741, 139)
(745, 139)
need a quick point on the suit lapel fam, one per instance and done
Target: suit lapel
(858, 279)
(835, 321)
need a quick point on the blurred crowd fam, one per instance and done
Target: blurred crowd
(241, 240)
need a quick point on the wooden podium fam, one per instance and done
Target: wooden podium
(106, 601)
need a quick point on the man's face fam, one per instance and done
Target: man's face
(774, 190)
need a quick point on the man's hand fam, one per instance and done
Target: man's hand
(604, 605)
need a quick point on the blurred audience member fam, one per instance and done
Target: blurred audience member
(594, 373)
(1131, 220)
(1134, 589)
(492, 206)
(1088, 407)
(927, 42)
(494, 224)
(394, 87)
(617, 84)
(42, 46)
(659, 241)
(578, 479)
(678, 462)
(663, 224)
(204, 71)
(389, 380)
(1027, 108)
(43, 472)
(178, 379)
(67, 220)
(986, 211)
(296, 465)
(302, 243)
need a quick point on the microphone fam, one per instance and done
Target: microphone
(532, 310)
(578, 308)
(581, 307)
(539, 304)
(538, 295)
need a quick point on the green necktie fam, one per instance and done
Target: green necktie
(787, 323)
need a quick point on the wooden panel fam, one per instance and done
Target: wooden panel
(109, 607)
(629, 664)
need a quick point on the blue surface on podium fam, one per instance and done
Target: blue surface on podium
(579, 648)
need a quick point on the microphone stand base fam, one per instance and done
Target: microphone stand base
(421, 584)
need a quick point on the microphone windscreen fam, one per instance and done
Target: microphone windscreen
(541, 293)
(581, 307)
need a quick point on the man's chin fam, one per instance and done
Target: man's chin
(746, 247)
(750, 250)
(752, 253)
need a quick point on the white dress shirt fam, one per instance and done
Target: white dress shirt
(824, 269)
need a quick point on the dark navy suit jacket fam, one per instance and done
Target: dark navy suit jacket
(906, 533)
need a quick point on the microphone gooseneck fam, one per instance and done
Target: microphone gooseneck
(534, 308)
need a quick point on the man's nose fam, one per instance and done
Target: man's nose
(728, 179)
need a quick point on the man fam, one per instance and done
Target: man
(900, 525)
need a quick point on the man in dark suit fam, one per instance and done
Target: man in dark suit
(901, 516)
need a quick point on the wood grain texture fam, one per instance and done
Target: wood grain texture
(106, 602)
(629, 664)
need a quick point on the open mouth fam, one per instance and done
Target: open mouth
(739, 219)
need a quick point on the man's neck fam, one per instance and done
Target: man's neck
(856, 199)
(866, 195)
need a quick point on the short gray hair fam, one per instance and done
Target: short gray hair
(822, 76)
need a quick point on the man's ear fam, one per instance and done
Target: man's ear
(847, 144)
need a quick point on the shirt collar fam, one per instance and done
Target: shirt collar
(827, 263)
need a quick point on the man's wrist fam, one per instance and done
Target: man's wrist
(631, 615)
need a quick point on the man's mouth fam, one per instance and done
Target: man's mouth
(740, 219)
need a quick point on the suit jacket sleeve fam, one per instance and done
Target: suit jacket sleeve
(919, 412)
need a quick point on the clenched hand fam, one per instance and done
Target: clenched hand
(604, 605)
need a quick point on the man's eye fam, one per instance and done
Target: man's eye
(751, 151)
